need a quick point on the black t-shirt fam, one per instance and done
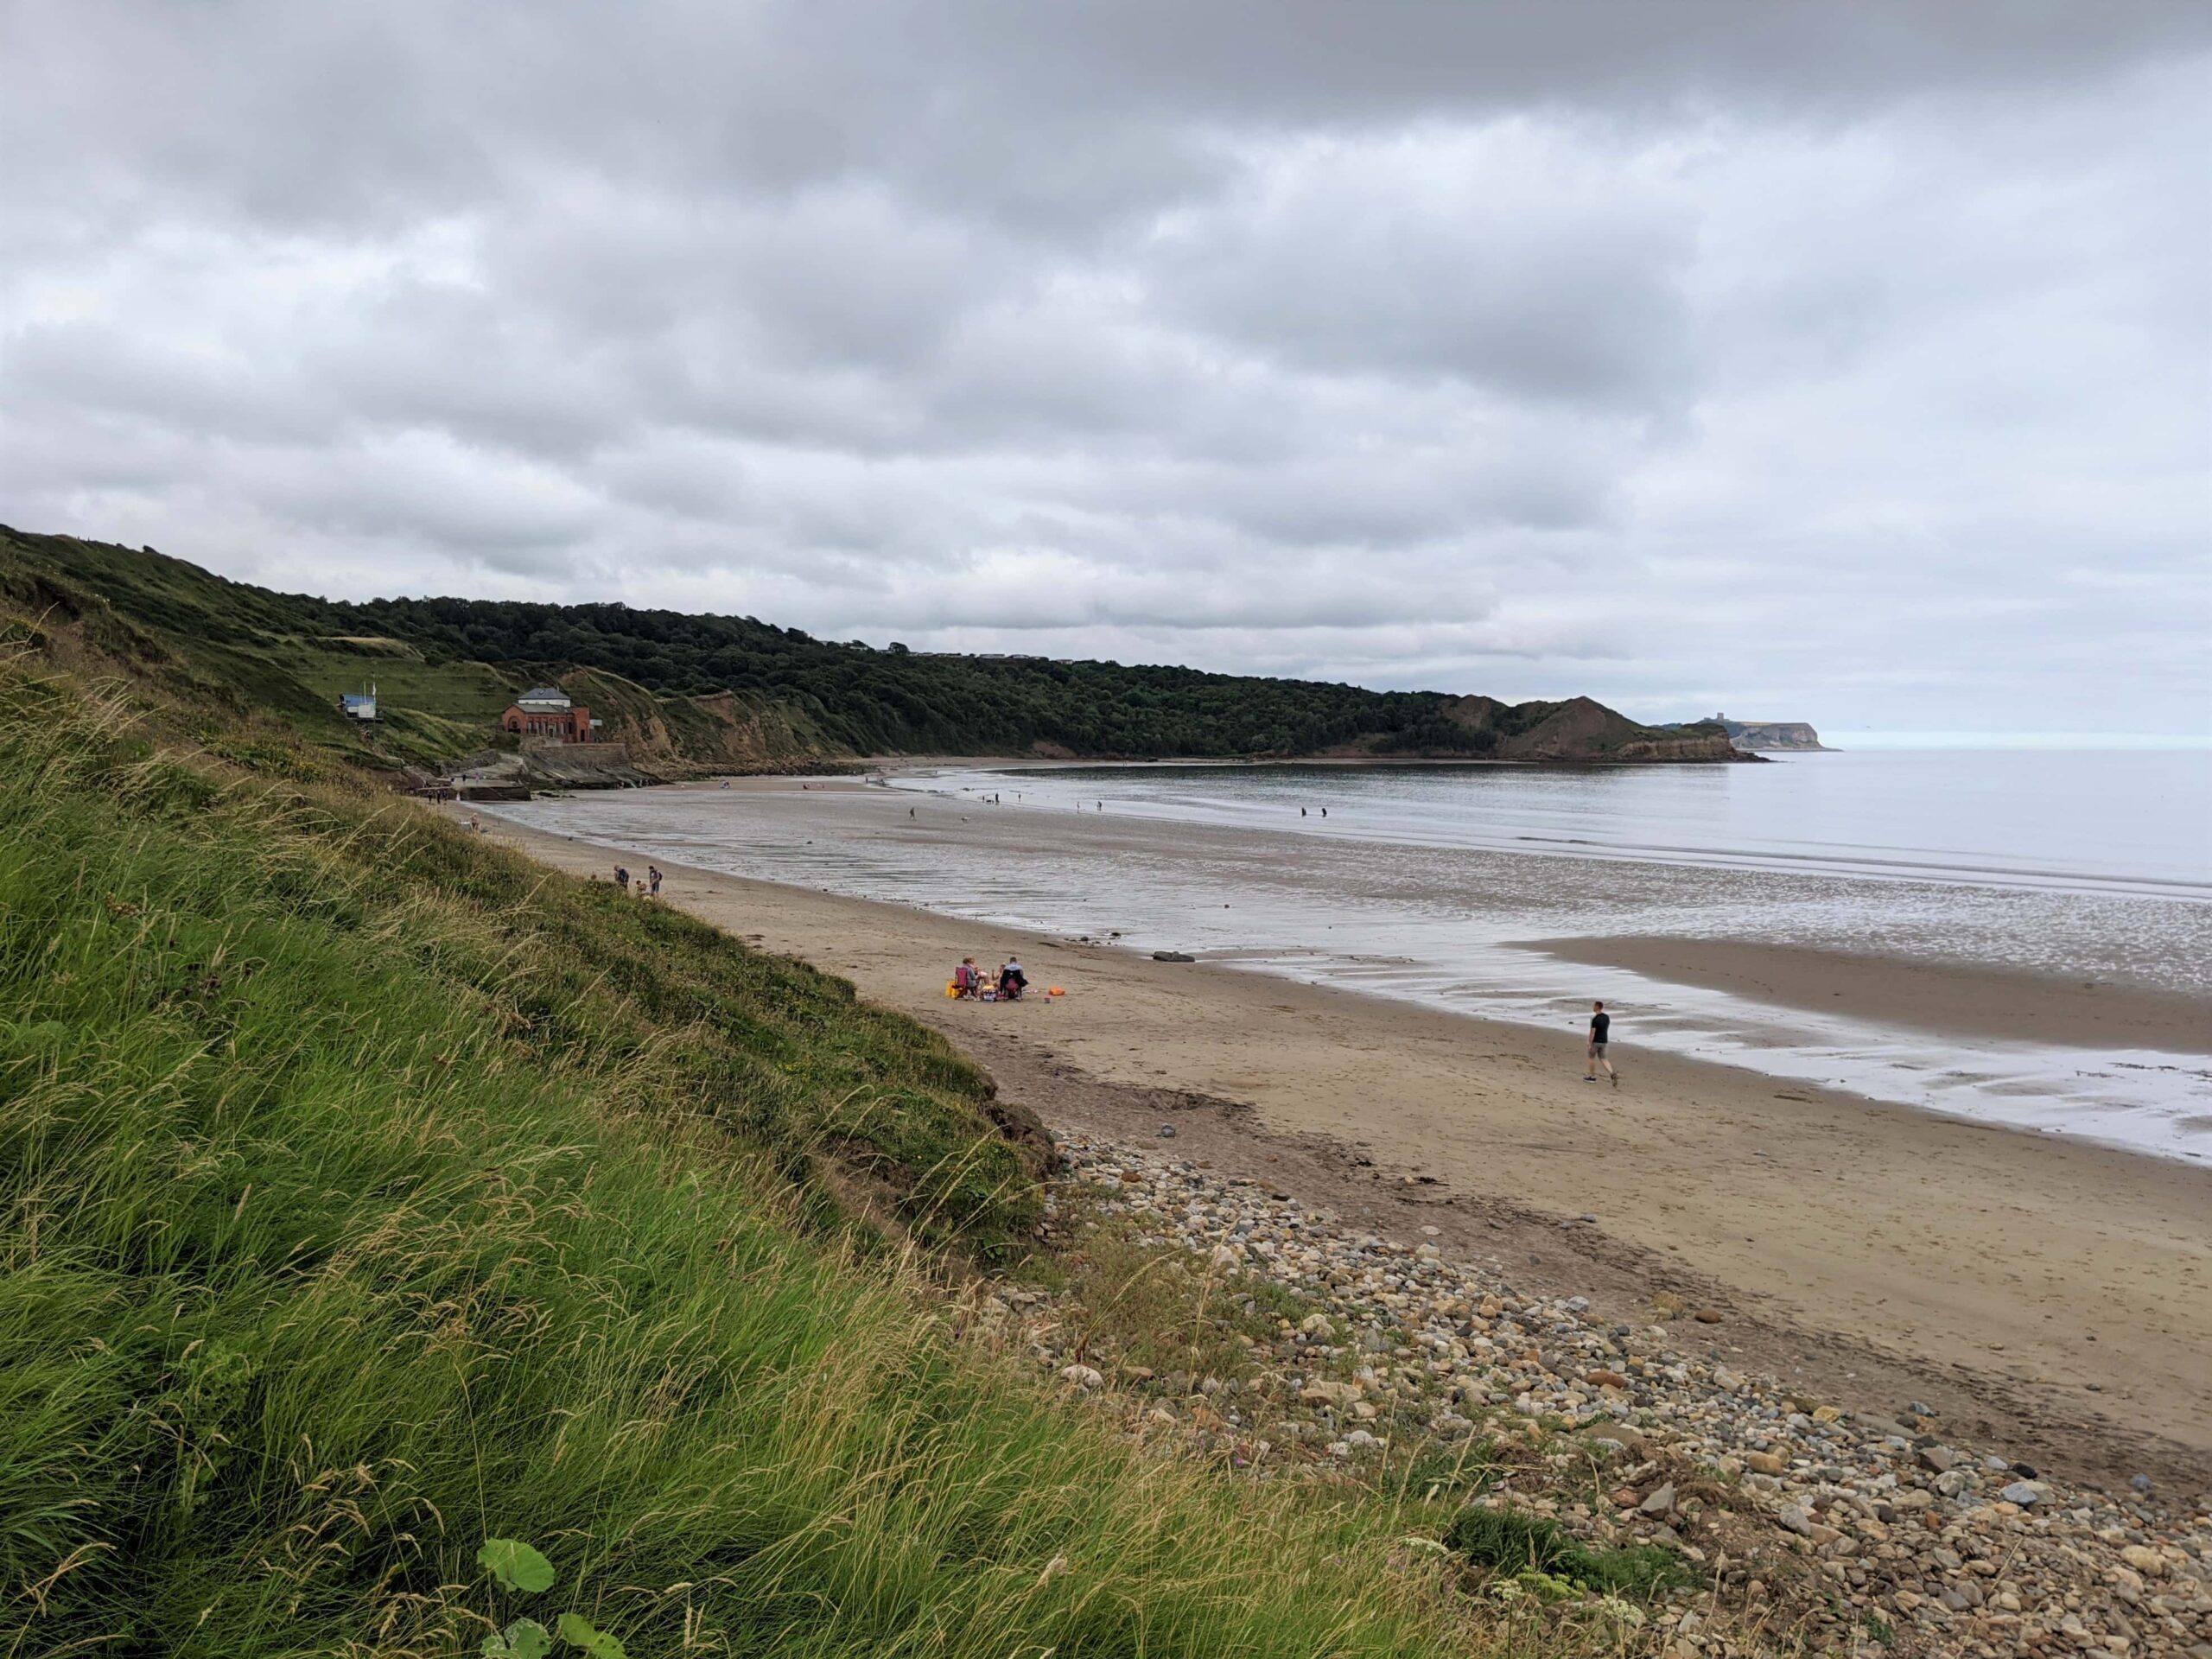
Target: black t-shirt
(1600, 1024)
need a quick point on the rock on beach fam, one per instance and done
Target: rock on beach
(1859, 1523)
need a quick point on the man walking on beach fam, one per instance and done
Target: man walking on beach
(1601, 1024)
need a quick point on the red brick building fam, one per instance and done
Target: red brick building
(545, 711)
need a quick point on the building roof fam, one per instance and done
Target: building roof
(544, 697)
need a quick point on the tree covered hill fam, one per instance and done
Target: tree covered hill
(712, 690)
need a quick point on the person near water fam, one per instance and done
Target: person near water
(968, 978)
(1012, 981)
(1601, 1025)
(653, 879)
(622, 878)
(910, 811)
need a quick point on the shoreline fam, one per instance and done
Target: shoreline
(2058, 1285)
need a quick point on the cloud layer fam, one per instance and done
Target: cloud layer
(1838, 362)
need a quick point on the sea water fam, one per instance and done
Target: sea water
(1421, 882)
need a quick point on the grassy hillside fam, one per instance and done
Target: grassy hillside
(367, 1193)
(710, 691)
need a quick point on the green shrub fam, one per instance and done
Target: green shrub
(1511, 1540)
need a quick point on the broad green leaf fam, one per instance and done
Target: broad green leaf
(599, 1644)
(516, 1565)
(528, 1639)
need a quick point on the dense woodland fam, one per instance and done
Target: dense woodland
(899, 699)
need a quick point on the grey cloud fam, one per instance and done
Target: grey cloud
(1851, 354)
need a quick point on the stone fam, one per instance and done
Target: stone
(1084, 1376)
(1167, 1131)
(2148, 1562)
(1328, 1394)
(1877, 1513)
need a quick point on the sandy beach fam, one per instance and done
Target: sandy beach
(1937, 997)
(2049, 1294)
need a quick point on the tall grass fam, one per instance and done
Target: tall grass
(365, 1193)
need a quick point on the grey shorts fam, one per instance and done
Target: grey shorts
(1597, 1051)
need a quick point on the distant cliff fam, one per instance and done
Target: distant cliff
(1767, 736)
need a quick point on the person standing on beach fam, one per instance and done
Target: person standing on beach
(653, 877)
(622, 878)
(1601, 1026)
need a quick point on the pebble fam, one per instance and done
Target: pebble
(1837, 1518)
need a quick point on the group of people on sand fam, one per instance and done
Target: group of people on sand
(646, 885)
(970, 982)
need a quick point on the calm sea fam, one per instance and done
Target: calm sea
(1421, 881)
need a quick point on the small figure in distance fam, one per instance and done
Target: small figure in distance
(1601, 1025)
(622, 878)
(1012, 981)
(653, 877)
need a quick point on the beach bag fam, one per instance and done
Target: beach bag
(952, 987)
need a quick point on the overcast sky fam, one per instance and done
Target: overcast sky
(1840, 362)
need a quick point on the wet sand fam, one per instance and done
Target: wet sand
(2066, 1287)
(1945, 999)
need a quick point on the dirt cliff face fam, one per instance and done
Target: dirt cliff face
(680, 737)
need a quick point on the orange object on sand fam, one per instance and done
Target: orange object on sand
(1056, 991)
